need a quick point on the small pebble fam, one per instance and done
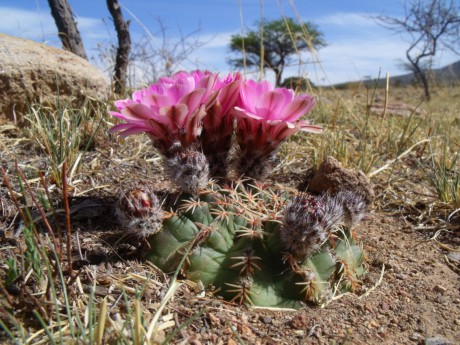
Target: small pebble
(436, 341)
(454, 257)
(439, 288)
(266, 319)
(401, 276)
(385, 306)
(416, 336)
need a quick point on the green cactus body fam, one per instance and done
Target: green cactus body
(233, 237)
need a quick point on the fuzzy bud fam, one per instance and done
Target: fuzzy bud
(354, 207)
(139, 212)
(189, 169)
(304, 230)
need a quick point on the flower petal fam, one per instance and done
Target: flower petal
(127, 129)
(137, 112)
(305, 126)
(298, 107)
(175, 114)
(270, 105)
(193, 99)
(243, 113)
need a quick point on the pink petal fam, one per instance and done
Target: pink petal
(175, 114)
(156, 100)
(298, 107)
(228, 96)
(243, 113)
(305, 126)
(180, 88)
(269, 105)
(137, 112)
(193, 99)
(123, 103)
(193, 126)
(116, 114)
(128, 129)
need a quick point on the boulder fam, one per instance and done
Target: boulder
(331, 177)
(33, 72)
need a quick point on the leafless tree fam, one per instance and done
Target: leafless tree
(67, 27)
(161, 54)
(432, 25)
(124, 46)
(155, 54)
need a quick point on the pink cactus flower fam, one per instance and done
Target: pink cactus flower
(265, 117)
(228, 88)
(216, 138)
(169, 111)
(269, 115)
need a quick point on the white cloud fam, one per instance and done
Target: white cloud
(346, 19)
(40, 26)
(218, 40)
(26, 24)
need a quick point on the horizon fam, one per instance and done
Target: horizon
(357, 47)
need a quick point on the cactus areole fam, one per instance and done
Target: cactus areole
(233, 239)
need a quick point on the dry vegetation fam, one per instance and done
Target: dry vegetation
(91, 288)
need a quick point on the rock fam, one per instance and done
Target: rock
(437, 341)
(415, 336)
(454, 257)
(332, 177)
(33, 72)
(439, 288)
(299, 321)
(266, 319)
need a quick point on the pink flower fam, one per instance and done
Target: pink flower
(267, 116)
(228, 89)
(216, 138)
(169, 111)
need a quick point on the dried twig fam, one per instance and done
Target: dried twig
(405, 153)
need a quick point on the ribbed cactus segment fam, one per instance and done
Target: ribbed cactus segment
(234, 233)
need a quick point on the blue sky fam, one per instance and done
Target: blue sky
(357, 46)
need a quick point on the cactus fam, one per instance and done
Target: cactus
(235, 237)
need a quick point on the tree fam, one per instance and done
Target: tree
(67, 27)
(124, 45)
(432, 25)
(281, 40)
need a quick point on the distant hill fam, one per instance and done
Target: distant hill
(445, 75)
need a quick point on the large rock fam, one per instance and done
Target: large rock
(331, 177)
(33, 72)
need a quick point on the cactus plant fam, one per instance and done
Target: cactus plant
(234, 239)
